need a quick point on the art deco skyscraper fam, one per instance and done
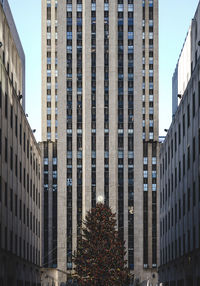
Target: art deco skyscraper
(100, 102)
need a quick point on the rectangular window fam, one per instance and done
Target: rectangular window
(179, 134)
(6, 105)
(183, 125)
(175, 213)
(188, 116)
(24, 177)
(27, 218)
(24, 214)
(183, 164)
(20, 209)
(193, 104)
(172, 146)
(175, 141)
(11, 116)
(16, 162)
(11, 200)
(168, 155)
(188, 157)
(194, 194)
(16, 205)
(24, 141)
(199, 95)
(188, 199)
(179, 171)
(6, 150)
(194, 153)
(6, 195)
(172, 217)
(175, 177)
(16, 125)
(20, 172)
(179, 208)
(20, 134)
(11, 158)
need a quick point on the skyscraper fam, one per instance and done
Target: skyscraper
(100, 102)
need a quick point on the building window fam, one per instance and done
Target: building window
(188, 199)
(183, 125)
(179, 134)
(188, 116)
(194, 153)
(193, 104)
(194, 194)
(6, 150)
(188, 157)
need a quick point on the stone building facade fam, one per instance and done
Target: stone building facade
(19, 168)
(100, 103)
(180, 180)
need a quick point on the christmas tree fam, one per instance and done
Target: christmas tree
(99, 259)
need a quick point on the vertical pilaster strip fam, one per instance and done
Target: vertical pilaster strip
(86, 99)
(99, 98)
(138, 146)
(53, 83)
(44, 64)
(74, 126)
(50, 202)
(62, 142)
(156, 72)
(126, 124)
(113, 115)
(150, 205)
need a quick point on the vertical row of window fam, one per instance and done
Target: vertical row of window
(18, 246)
(154, 204)
(130, 137)
(48, 67)
(148, 97)
(93, 101)
(69, 133)
(150, 74)
(46, 227)
(10, 197)
(49, 70)
(54, 210)
(145, 205)
(180, 246)
(79, 118)
(121, 118)
(50, 189)
(106, 102)
(189, 198)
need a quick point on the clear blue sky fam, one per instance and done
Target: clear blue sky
(174, 15)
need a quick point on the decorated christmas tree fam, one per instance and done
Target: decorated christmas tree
(99, 259)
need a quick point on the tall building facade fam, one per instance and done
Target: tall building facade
(18, 46)
(100, 103)
(19, 167)
(179, 173)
